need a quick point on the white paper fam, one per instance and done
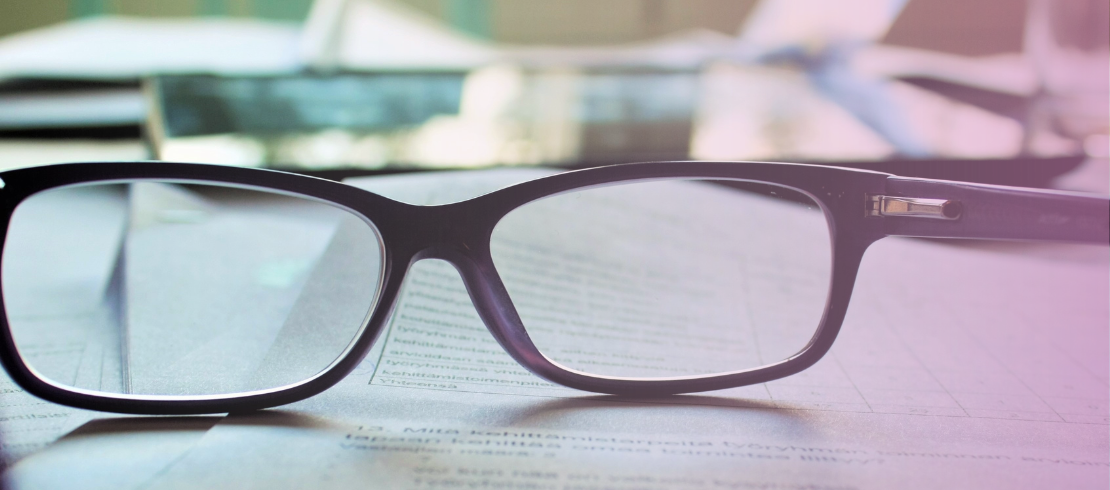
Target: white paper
(68, 334)
(375, 34)
(129, 48)
(961, 368)
(209, 284)
(111, 453)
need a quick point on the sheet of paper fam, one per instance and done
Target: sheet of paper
(66, 334)
(110, 453)
(28, 424)
(20, 153)
(395, 438)
(58, 323)
(969, 366)
(966, 366)
(78, 311)
(189, 327)
(332, 304)
(108, 47)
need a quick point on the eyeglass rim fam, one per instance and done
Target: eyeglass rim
(839, 191)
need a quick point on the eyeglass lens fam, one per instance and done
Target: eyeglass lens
(157, 288)
(667, 278)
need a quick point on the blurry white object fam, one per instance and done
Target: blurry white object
(1006, 73)
(226, 149)
(479, 134)
(367, 34)
(335, 148)
(759, 113)
(837, 45)
(685, 50)
(953, 129)
(16, 153)
(1075, 83)
(379, 34)
(816, 24)
(128, 48)
(103, 107)
(1097, 146)
(1093, 175)
(822, 38)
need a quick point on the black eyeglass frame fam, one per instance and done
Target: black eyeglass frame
(459, 233)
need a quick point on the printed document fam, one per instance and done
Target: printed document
(960, 365)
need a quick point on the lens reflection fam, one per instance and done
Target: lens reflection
(667, 279)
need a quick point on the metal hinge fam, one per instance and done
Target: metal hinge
(914, 207)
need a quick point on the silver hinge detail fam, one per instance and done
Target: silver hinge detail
(914, 207)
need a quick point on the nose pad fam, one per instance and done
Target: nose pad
(456, 323)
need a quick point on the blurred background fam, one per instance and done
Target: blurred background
(998, 91)
(1003, 91)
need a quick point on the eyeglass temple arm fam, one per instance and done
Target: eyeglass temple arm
(942, 209)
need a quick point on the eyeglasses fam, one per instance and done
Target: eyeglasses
(169, 288)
